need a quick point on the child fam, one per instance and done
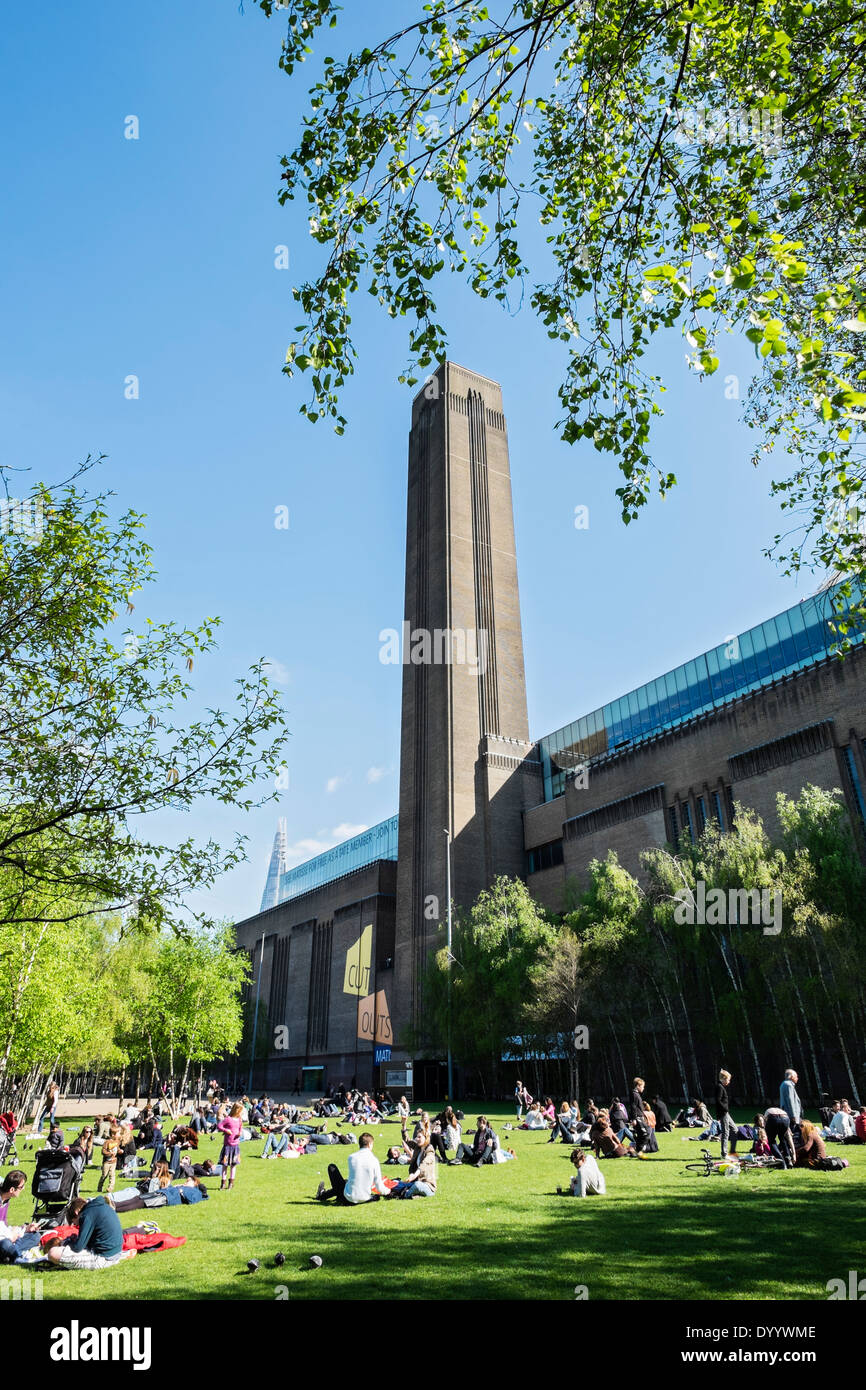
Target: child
(761, 1144)
(110, 1148)
(230, 1127)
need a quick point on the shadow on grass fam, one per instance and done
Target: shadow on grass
(720, 1241)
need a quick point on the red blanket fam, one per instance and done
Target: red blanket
(132, 1240)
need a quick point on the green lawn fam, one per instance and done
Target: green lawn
(500, 1232)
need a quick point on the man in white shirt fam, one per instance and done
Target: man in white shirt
(842, 1124)
(365, 1182)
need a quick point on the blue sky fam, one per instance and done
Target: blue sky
(155, 258)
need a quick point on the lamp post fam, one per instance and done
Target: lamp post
(448, 890)
(256, 1016)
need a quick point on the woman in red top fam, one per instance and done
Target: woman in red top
(230, 1157)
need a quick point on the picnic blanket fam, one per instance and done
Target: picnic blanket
(132, 1240)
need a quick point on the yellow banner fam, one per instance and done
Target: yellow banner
(356, 979)
(374, 1020)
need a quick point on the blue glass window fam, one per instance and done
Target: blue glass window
(788, 642)
(379, 842)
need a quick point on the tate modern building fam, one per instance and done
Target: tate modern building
(339, 947)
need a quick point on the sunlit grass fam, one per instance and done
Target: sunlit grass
(501, 1232)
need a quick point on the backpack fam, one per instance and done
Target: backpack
(832, 1164)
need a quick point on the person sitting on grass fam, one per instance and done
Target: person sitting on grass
(618, 1116)
(535, 1118)
(563, 1125)
(812, 1152)
(841, 1124)
(83, 1144)
(439, 1133)
(664, 1123)
(55, 1137)
(99, 1242)
(395, 1156)
(694, 1116)
(645, 1142)
(588, 1177)
(761, 1144)
(365, 1182)
(603, 1139)
(481, 1149)
(14, 1240)
(420, 1181)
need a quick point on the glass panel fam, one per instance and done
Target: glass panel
(379, 842)
(786, 642)
(747, 671)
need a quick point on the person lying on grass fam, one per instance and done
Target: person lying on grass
(588, 1177)
(365, 1182)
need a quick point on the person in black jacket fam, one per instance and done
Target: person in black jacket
(482, 1147)
(723, 1114)
(635, 1105)
(664, 1123)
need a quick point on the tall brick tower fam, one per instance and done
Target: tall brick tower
(465, 735)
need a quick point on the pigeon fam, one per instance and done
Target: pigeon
(252, 1266)
(279, 1258)
(315, 1261)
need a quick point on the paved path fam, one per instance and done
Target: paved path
(75, 1107)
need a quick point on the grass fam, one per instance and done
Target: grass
(499, 1232)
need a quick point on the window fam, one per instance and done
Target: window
(545, 856)
(672, 817)
(702, 814)
(717, 807)
(686, 813)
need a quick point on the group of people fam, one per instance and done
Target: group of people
(432, 1140)
(604, 1128)
(595, 1134)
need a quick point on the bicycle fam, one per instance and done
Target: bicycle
(745, 1163)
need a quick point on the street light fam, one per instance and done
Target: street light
(256, 1017)
(448, 888)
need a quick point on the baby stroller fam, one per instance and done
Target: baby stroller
(8, 1126)
(55, 1182)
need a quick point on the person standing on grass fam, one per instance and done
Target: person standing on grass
(230, 1127)
(789, 1101)
(49, 1108)
(723, 1114)
(110, 1148)
(635, 1107)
